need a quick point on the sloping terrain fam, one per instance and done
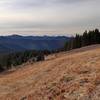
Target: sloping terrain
(73, 75)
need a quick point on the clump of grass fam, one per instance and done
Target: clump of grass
(83, 81)
(66, 79)
(97, 80)
(84, 72)
(24, 98)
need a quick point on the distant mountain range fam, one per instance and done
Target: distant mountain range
(16, 43)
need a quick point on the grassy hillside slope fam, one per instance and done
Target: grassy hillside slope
(73, 75)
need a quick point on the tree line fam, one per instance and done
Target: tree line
(7, 61)
(10, 60)
(88, 38)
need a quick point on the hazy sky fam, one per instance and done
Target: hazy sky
(48, 17)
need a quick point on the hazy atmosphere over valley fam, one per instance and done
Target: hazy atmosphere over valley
(48, 17)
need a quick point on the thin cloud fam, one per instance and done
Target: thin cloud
(65, 15)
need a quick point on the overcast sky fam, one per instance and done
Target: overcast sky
(48, 17)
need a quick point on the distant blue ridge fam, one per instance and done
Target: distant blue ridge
(14, 43)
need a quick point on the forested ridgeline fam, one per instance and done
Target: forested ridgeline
(88, 38)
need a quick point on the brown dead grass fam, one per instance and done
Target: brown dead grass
(73, 75)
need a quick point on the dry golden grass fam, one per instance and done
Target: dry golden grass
(73, 75)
